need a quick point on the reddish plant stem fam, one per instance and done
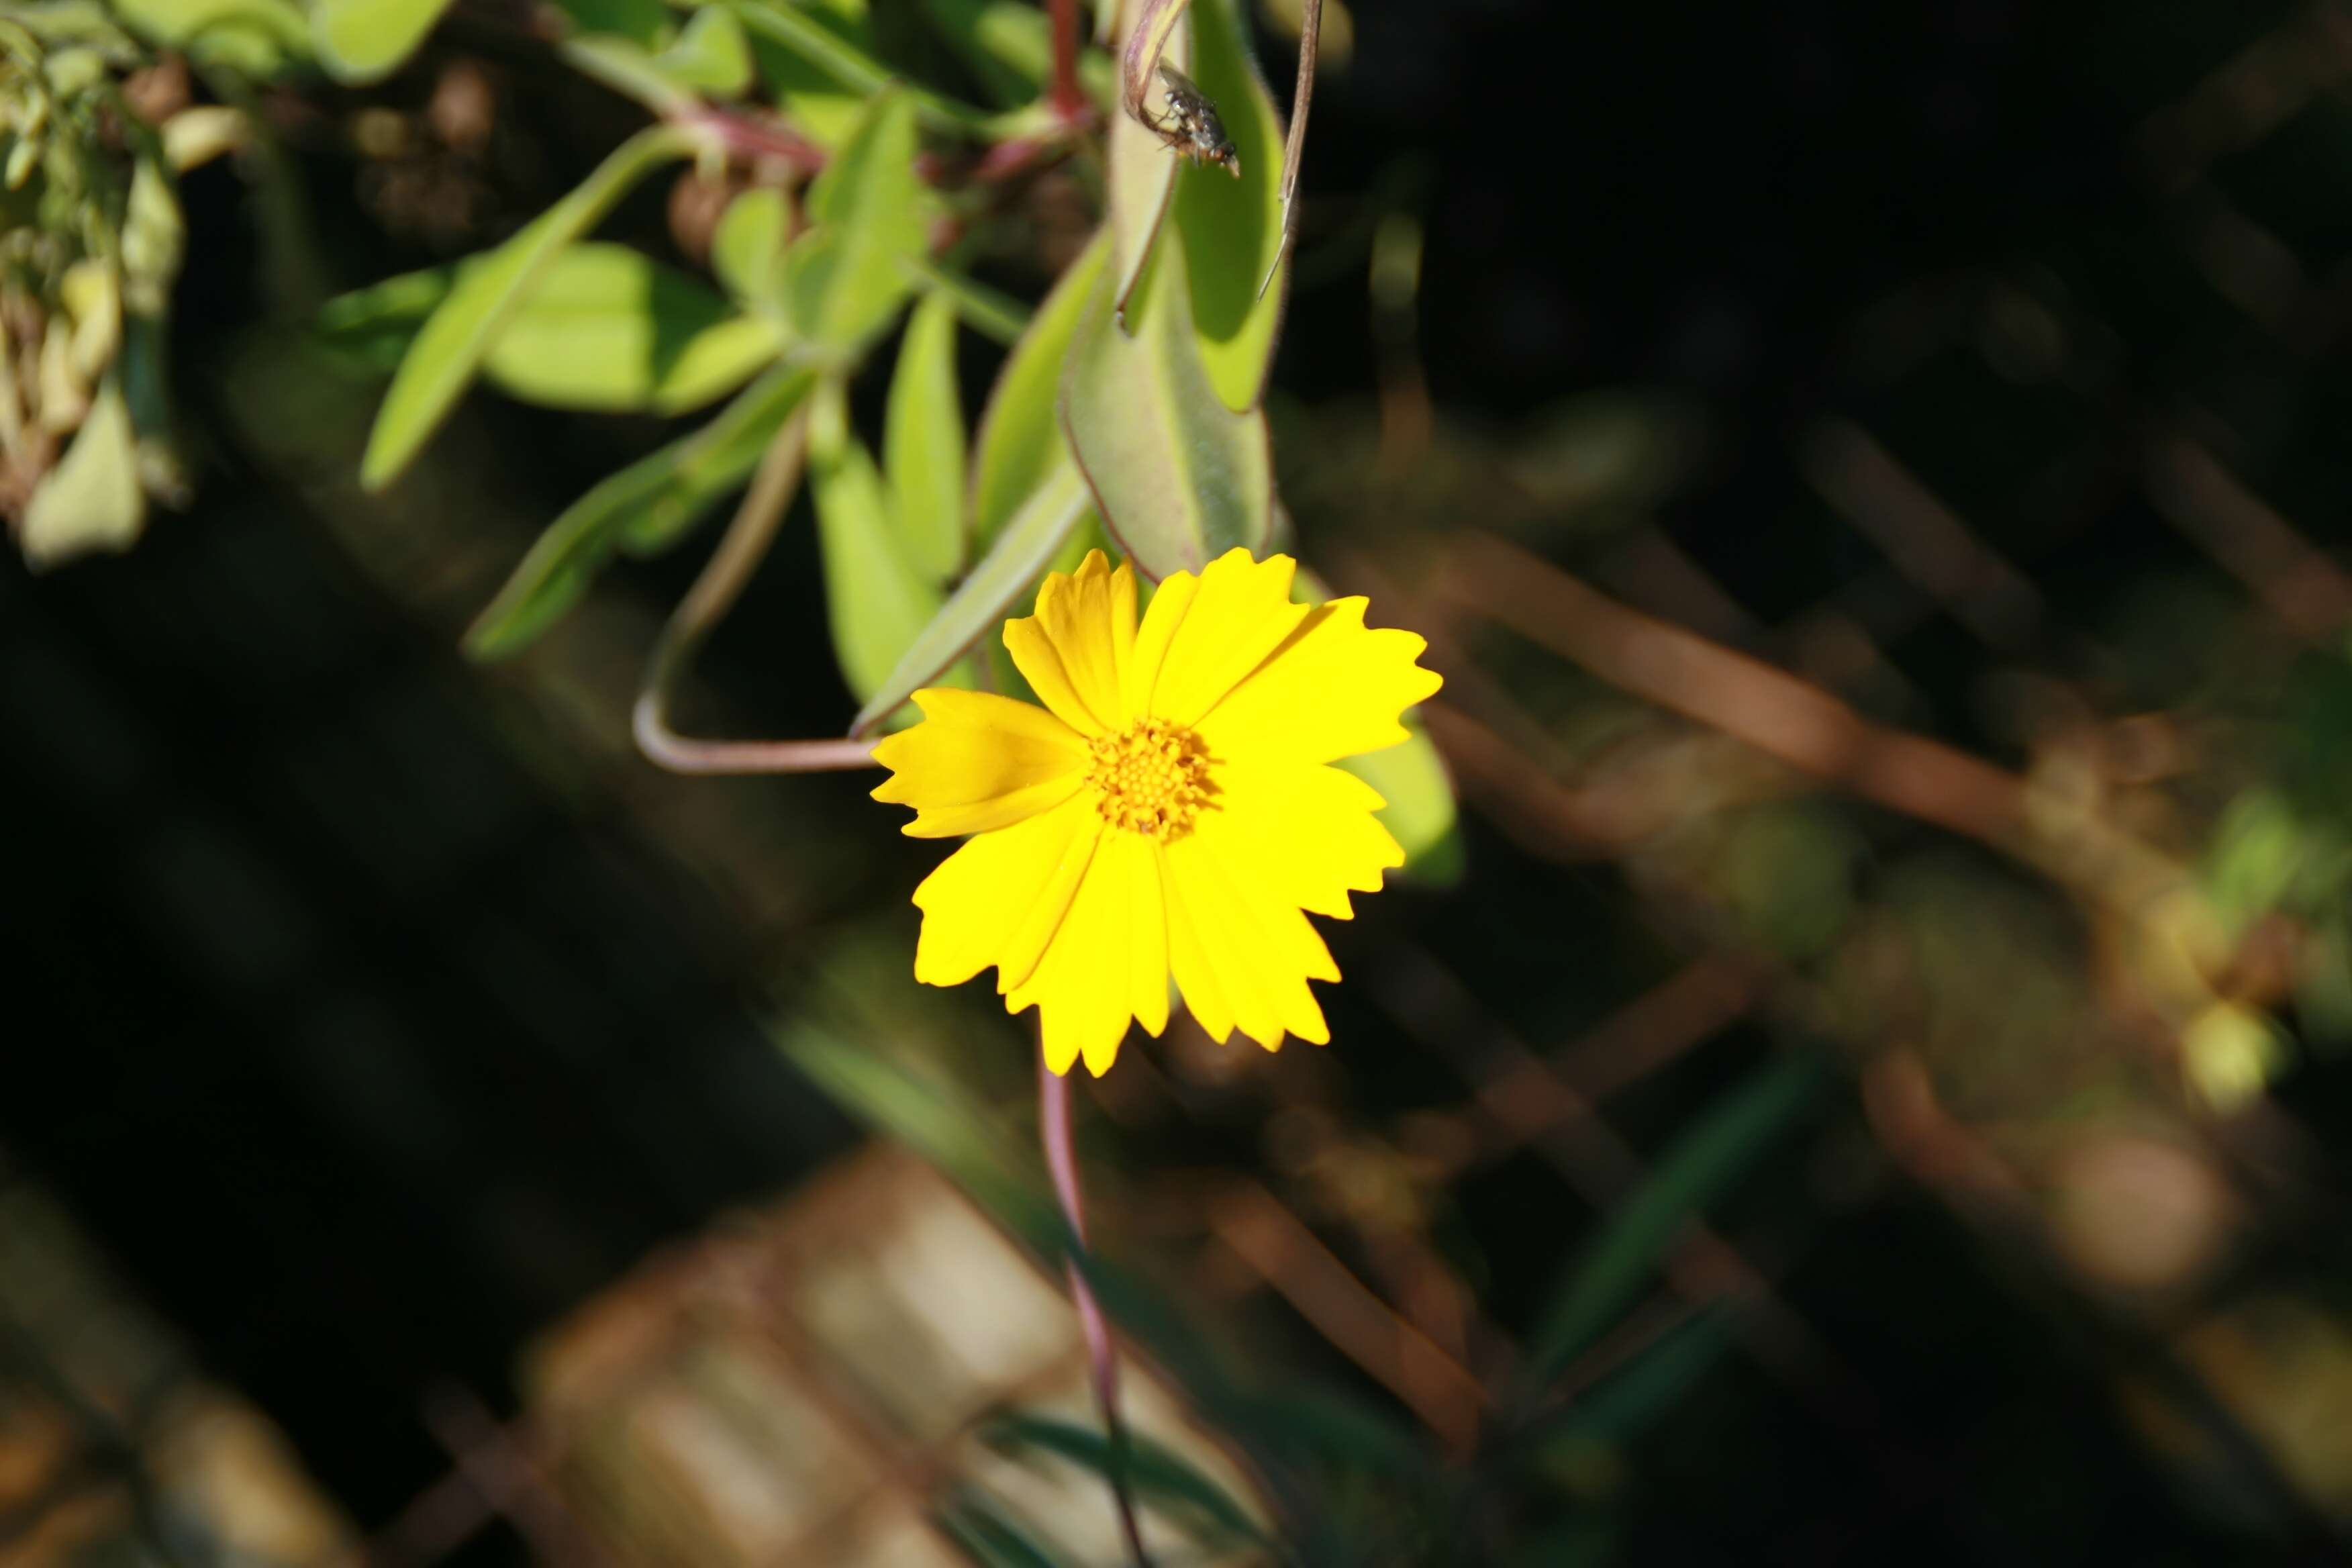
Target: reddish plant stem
(1102, 1355)
(1069, 99)
(705, 605)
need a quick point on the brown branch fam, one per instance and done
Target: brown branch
(1310, 33)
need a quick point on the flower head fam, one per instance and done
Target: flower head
(1171, 809)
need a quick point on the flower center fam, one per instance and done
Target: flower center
(1151, 779)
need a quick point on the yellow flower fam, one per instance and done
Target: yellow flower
(1169, 809)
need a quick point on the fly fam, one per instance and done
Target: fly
(1190, 126)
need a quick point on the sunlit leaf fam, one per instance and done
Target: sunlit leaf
(877, 602)
(1420, 811)
(1020, 440)
(609, 328)
(1022, 551)
(710, 54)
(802, 36)
(91, 499)
(749, 243)
(1704, 1163)
(1231, 228)
(361, 40)
(1161, 1479)
(257, 35)
(849, 275)
(644, 508)
(645, 23)
(922, 448)
(449, 349)
(1180, 477)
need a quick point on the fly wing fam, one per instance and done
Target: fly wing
(1179, 86)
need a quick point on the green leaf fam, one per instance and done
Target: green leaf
(607, 328)
(847, 276)
(997, 317)
(261, 35)
(1008, 46)
(644, 508)
(748, 243)
(1420, 811)
(1231, 228)
(1702, 1164)
(847, 63)
(1180, 477)
(610, 328)
(629, 68)
(1622, 1405)
(715, 460)
(922, 444)
(1161, 1479)
(1022, 552)
(989, 1534)
(1143, 168)
(1020, 441)
(91, 499)
(644, 23)
(442, 360)
(710, 54)
(877, 602)
(362, 40)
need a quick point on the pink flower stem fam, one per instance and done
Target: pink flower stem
(1062, 1161)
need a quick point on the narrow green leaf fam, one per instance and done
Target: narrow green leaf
(877, 602)
(611, 328)
(1162, 1479)
(1142, 167)
(1623, 1403)
(1702, 1164)
(986, 1531)
(1180, 477)
(748, 243)
(1020, 441)
(997, 317)
(91, 499)
(715, 460)
(628, 68)
(844, 62)
(361, 41)
(644, 508)
(1023, 549)
(446, 352)
(847, 276)
(644, 23)
(1420, 812)
(1231, 228)
(922, 444)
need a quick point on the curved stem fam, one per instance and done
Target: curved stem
(705, 603)
(1062, 1161)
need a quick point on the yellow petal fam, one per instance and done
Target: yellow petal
(1242, 954)
(1107, 962)
(979, 761)
(974, 902)
(1075, 648)
(1200, 638)
(1333, 689)
(1307, 830)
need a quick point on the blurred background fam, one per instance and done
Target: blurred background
(1856, 1067)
